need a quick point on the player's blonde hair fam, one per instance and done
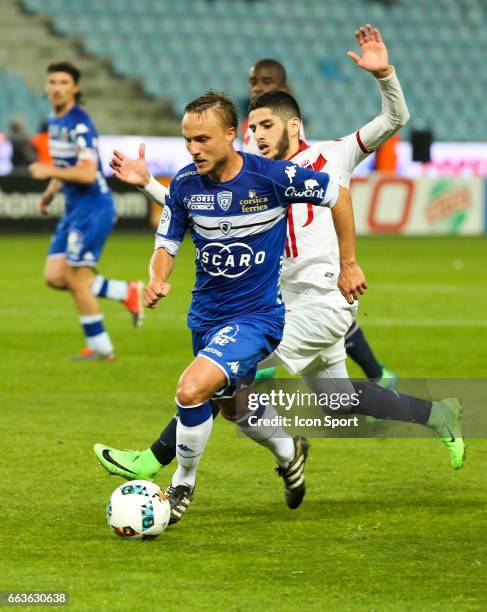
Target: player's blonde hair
(220, 102)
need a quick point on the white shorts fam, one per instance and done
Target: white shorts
(314, 331)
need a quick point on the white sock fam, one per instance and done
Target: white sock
(109, 288)
(273, 437)
(190, 445)
(97, 337)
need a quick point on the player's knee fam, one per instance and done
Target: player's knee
(190, 394)
(77, 282)
(55, 280)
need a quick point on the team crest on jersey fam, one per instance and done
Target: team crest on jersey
(252, 193)
(225, 227)
(224, 199)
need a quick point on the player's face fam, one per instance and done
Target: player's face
(207, 140)
(263, 80)
(273, 137)
(61, 90)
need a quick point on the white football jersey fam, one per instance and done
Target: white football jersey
(311, 262)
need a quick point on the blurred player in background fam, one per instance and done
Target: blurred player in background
(89, 214)
(270, 75)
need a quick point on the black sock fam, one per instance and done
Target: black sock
(359, 350)
(388, 404)
(164, 448)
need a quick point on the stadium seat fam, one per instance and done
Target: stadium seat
(190, 44)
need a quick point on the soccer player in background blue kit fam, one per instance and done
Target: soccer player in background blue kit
(234, 205)
(89, 216)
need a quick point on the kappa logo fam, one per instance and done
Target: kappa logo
(234, 366)
(185, 448)
(290, 172)
(252, 193)
(225, 227)
(224, 199)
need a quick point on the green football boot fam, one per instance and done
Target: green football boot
(446, 420)
(388, 380)
(131, 465)
(265, 373)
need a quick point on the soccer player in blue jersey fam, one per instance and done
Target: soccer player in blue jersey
(89, 214)
(236, 315)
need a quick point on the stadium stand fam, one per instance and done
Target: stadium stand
(29, 45)
(17, 99)
(176, 50)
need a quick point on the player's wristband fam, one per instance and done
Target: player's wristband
(156, 191)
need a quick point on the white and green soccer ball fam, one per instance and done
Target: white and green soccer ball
(138, 510)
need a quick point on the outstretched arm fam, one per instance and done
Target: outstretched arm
(374, 58)
(135, 172)
(351, 281)
(83, 172)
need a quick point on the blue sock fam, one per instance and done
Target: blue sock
(191, 417)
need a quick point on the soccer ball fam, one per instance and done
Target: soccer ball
(138, 510)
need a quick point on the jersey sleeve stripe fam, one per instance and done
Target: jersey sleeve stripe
(361, 144)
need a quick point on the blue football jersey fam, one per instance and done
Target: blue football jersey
(73, 138)
(239, 229)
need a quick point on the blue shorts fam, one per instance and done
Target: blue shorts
(82, 232)
(237, 348)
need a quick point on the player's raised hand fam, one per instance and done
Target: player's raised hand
(133, 171)
(351, 282)
(374, 58)
(154, 291)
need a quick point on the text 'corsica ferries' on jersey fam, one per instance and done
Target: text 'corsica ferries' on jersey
(239, 229)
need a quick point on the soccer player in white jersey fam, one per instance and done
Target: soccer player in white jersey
(89, 214)
(270, 75)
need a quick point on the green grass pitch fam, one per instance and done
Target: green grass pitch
(385, 525)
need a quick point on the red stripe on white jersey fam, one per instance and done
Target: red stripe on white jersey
(292, 235)
(319, 163)
(310, 216)
(302, 147)
(361, 144)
